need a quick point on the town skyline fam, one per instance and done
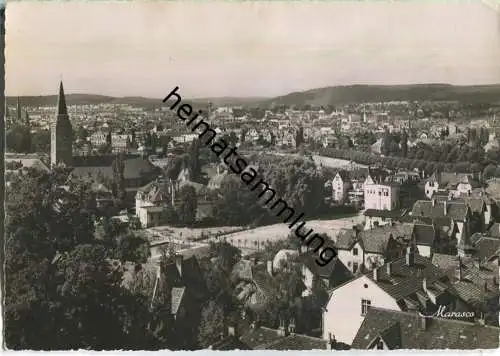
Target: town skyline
(213, 58)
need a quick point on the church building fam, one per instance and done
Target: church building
(137, 171)
(61, 131)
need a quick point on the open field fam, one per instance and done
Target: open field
(163, 233)
(252, 239)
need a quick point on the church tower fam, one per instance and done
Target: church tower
(61, 136)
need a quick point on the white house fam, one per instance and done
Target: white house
(362, 250)
(379, 195)
(340, 186)
(411, 283)
(151, 200)
(455, 183)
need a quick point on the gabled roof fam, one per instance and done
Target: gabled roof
(424, 234)
(134, 167)
(440, 209)
(344, 175)
(333, 270)
(295, 342)
(406, 280)
(494, 230)
(451, 180)
(255, 337)
(385, 213)
(263, 338)
(391, 336)
(440, 333)
(374, 240)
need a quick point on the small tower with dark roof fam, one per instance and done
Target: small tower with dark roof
(61, 139)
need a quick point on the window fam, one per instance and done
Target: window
(349, 264)
(380, 345)
(354, 267)
(365, 304)
(355, 251)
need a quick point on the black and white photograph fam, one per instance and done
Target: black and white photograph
(250, 175)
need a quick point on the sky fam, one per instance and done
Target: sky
(146, 48)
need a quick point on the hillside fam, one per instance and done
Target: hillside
(376, 93)
(315, 97)
(92, 99)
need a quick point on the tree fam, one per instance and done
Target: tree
(188, 205)
(41, 141)
(226, 255)
(404, 144)
(18, 139)
(132, 248)
(174, 167)
(57, 274)
(299, 137)
(118, 166)
(211, 325)
(193, 160)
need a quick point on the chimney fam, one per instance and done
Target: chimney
(433, 202)
(445, 205)
(424, 320)
(253, 261)
(477, 263)
(485, 286)
(424, 284)
(231, 331)
(389, 269)
(178, 263)
(410, 256)
(375, 274)
(270, 267)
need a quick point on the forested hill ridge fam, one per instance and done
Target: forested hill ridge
(315, 97)
(383, 93)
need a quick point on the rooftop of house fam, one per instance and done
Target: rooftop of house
(473, 281)
(374, 240)
(451, 180)
(334, 269)
(405, 282)
(385, 213)
(494, 230)
(440, 209)
(155, 191)
(408, 330)
(424, 234)
(134, 167)
(263, 338)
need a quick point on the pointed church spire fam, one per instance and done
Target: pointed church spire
(61, 101)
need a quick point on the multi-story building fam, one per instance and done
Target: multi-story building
(411, 283)
(340, 187)
(380, 195)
